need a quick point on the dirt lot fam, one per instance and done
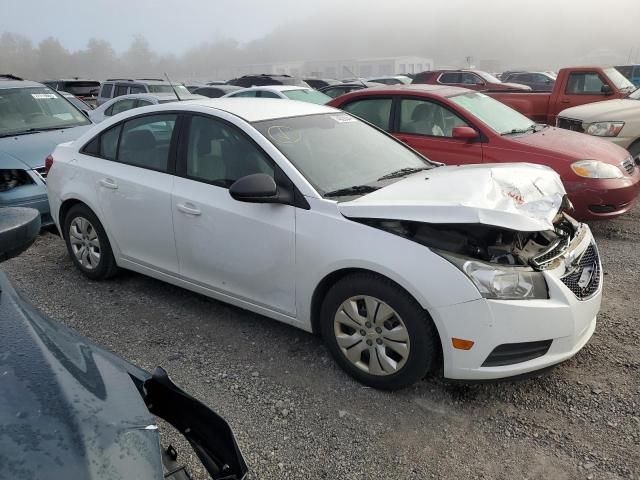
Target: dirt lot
(296, 415)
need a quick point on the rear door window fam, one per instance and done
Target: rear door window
(138, 89)
(123, 106)
(121, 90)
(451, 77)
(374, 110)
(146, 141)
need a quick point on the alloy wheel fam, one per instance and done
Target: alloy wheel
(371, 335)
(85, 243)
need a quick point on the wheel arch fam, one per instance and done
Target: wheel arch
(330, 279)
(68, 204)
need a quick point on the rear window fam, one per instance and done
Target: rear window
(81, 89)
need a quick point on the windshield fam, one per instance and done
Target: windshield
(311, 96)
(335, 151)
(39, 108)
(620, 81)
(82, 89)
(635, 95)
(494, 114)
(488, 77)
(181, 89)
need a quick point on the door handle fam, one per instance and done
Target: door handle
(188, 208)
(564, 100)
(108, 183)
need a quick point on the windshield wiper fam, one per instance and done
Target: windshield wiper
(530, 128)
(403, 172)
(29, 131)
(354, 190)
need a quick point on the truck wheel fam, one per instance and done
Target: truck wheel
(377, 332)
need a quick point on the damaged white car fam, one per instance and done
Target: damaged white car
(309, 216)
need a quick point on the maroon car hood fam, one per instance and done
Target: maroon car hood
(573, 145)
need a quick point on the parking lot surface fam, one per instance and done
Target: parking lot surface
(297, 415)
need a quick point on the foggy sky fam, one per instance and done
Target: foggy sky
(513, 33)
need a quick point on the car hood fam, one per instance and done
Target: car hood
(617, 110)
(32, 149)
(572, 145)
(68, 408)
(510, 86)
(522, 197)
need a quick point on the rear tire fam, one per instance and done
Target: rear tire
(87, 243)
(377, 332)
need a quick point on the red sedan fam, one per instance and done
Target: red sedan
(457, 126)
(471, 79)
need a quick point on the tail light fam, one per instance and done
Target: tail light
(48, 163)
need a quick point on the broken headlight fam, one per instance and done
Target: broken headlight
(10, 179)
(501, 282)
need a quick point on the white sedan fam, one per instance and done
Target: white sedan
(124, 103)
(307, 215)
(287, 92)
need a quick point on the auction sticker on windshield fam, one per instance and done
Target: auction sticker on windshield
(40, 96)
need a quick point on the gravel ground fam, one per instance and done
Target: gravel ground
(297, 415)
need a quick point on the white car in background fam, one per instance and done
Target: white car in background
(391, 80)
(124, 103)
(288, 92)
(307, 215)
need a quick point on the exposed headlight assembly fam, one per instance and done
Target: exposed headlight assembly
(595, 169)
(604, 129)
(10, 179)
(501, 282)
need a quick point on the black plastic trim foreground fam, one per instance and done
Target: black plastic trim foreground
(512, 353)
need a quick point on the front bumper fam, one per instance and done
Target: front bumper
(563, 319)
(601, 199)
(29, 196)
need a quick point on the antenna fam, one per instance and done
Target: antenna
(358, 79)
(172, 87)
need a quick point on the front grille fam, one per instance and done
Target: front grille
(511, 353)
(570, 124)
(42, 173)
(629, 165)
(584, 285)
(554, 252)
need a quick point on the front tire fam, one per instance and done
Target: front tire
(87, 243)
(377, 332)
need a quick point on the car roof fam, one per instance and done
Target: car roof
(434, 90)
(71, 80)
(157, 96)
(277, 88)
(146, 81)
(255, 109)
(10, 83)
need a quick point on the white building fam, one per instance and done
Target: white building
(348, 68)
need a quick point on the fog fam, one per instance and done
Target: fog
(204, 39)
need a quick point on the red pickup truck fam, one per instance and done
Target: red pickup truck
(574, 86)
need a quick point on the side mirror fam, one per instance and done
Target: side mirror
(255, 188)
(19, 228)
(464, 133)
(607, 90)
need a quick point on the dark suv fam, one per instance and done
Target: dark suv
(247, 81)
(85, 90)
(115, 87)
